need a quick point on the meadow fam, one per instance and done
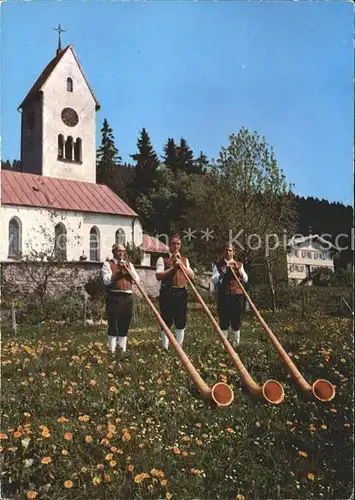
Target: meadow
(80, 423)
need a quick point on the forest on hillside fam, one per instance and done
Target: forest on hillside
(243, 191)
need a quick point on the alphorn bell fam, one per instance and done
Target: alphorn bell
(321, 389)
(272, 391)
(221, 394)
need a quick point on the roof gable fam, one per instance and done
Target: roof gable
(48, 70)
(32, 190)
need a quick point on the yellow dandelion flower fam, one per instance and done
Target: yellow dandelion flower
(46, 460)
(323, 426)
(240, 497)
(109, 456)
(310, 476)
(88, 439)
(62, 420)
(96, 480)
(31, 495)
(157, 473)
(164, 482)
(64, 452)
(196, 472)
(68, 436)
(112, 463)
(303, 453)
(140, 477)
(83, 470)
(198, 442)
(26, 414)
(109, 435)
(126, 436)
(68, 484)
(162, 393)
(186, 438)
(111, 428)
(84, 418)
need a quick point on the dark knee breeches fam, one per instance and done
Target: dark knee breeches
(173, 306)
(229, 309)
(119, 309)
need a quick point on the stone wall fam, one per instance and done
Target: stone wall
(70, 277)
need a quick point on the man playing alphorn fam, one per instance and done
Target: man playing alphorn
(119, 301)
(229, 294)
(173, 291)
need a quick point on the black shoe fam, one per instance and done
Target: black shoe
(123, 356)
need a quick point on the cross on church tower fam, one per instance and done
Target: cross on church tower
(60, 30)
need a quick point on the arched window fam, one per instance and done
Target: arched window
(77, 150)
(69, 85)
(69, 148)
(60, 242)
(60, 146)
(120, 238)
(14, 237)
(94, 244)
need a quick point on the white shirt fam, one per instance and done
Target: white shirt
(217, 277)
(106, 274)
(160, 264)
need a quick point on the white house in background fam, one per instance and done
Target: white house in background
(55, 197)
(306, 254)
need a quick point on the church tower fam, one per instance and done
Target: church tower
(58, 121)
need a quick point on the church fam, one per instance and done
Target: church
(54, 206)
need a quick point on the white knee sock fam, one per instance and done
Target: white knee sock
(122, 342)
(180, 334)
(237, 336)
(164, 340)
(225, 333)
(112, 342)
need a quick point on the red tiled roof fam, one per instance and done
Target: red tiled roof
(32, 190)
(47, 72)
(153, 245)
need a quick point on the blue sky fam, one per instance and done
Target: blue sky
(202, 70)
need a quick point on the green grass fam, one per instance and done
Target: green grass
(163, 427)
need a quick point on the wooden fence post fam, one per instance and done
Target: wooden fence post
(85, 308)
(13, 315)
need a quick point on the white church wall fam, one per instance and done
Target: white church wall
(37, 230)
(55, 99)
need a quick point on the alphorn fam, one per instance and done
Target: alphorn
(221, 394)
(272, 391)
(321, 389)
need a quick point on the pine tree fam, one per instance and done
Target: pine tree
(201, 164)
(147, 163)
(107, 157)
(185, 157)
(170, 155)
